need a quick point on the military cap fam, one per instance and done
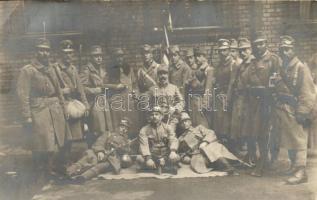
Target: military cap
(174, 49)
(43, 43)
(147, 48)
(184, 116)
(162, 68)
(118, 52)
(244, 43)
(125, 122)
(157, 109)
(233, 44)
(67, 46)
(200, 51)
(96, 50)
(286, 41)
(259, 37)
(189, 52)
(223, 44)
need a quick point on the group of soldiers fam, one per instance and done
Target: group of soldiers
(159, 115)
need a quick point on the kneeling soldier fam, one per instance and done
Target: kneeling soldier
(199, 147)
(158, 144)
(110, 152)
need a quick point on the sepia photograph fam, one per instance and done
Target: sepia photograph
(158, 99)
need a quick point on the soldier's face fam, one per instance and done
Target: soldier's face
(191, 60)
(148, 57)
(245, 53)
(43, 55)
(200, 59)
(175, 58)
(186, 124)
(119, 59)
(163, 77)
(68, 57)
(223, 53)
(96, 59)
(156, 117)
(234, 53)
(123, 129)
(287, 53)
(259, 48)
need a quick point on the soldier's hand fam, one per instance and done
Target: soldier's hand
(173, 156)
(150, 164)
(202, 144)
(100, 156)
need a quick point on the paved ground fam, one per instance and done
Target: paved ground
(244, 187)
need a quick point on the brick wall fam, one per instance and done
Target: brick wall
(126, 24)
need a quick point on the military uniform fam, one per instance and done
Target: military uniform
(123, 74)
(156, 142)
(93, 78)
(312, 141)
(223, 79)
(116, 148)
(190, 146)
(200, 84)
(180, 72)
(259, 107)
(69, 78)
(295, 99)
(41, 99)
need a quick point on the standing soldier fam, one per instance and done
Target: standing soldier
(190, 59)
(167, 93)
(234, 51)
(73, 92)
(312, 141)
(109, 152)
(179, 71)
(239, 101)
(259, 75)
(158, 144)
(147, 75)
(94, 80)
(199, 87)
(223, 76)
(123, 80)
(295, 94)
(42, 107)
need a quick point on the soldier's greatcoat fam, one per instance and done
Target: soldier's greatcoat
(200, 83)
(147, 77)
(123, 75)
(238, 100)
(293, 135)
(69, 78)
(223, 76)
(41, 99)
(257, 82)
(179, 74)
(99, 117)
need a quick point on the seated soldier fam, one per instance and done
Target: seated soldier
(199, 147)
(158, 145)
(109, 152)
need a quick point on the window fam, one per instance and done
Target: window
(195, 13)
(308, 10)
(54, 17)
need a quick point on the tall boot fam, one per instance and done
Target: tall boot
(263, 148)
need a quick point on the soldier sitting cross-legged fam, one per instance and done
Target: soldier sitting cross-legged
(109, 152)
(158, 145)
